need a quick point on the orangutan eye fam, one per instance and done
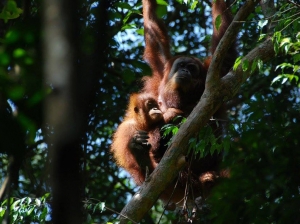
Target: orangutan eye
(192, 68)
(151, 104)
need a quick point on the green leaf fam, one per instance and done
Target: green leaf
(253, 66)
(237, 63)
(2, 211)
(19, 52)
(37, 202)
(260, 64)
(175, 130)
(128, 26)
(14, 205)
(219, 148)
(276, 79)
(262, 23)
(102, 206)
(161, 11)
(140, 31)
(28, 200)
(296, 58)
(277, 37)
(284, 41)
(29, 211)
(245, 65)
(15, 217)
(261, 36)
(43, 199)
(183, 119)
(212, 139)
(44, 213)
(128, 16)
(162, 2)
(192, 142)
(10, 11)
(4, 203)
(276, 41)
(201, 147)
(167, 129)
(284, 80)
(218, 22)
(194, 5)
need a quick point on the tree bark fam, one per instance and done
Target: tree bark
(73, 89)
(61, 74)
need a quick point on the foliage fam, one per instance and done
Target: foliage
(10, 11)
(26, 209)
(263, 163)
(289, 71)
(262, 143)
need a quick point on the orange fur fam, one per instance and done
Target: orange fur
(140, 117)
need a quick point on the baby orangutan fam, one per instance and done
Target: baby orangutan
(136, 141)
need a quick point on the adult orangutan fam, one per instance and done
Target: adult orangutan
(178, 83)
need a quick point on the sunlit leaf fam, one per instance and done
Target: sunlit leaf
(237, 63)
(19, 52)
(262, 23)
(162, 2)
(194, 5)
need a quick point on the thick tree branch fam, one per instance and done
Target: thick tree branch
(269, 11)
(226, 42)
(174, 158)
(234, 79)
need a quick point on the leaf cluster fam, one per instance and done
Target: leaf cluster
(26, 209)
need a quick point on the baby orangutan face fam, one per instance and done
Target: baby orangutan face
(154, 113)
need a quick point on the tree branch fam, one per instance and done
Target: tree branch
(234, 79)
(269, 11)
(226, 42)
